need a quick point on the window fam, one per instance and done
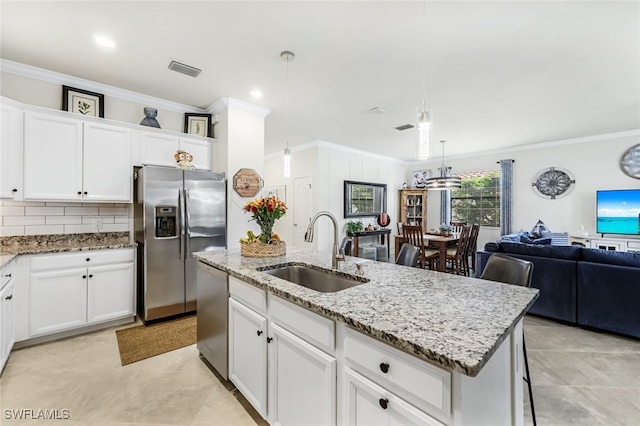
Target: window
(478, 201)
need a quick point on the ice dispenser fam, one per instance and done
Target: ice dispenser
(166, 222)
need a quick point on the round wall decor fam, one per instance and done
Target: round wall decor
(553, 183)
(630, 162)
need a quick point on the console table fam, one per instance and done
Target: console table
(384, 239)
(607, 243)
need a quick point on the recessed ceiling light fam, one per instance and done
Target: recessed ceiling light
(104, 41)
(256, 93)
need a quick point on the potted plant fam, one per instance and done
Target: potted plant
(354, 226)
(445, 230)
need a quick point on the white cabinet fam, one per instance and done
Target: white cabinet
(607, 243)
(302, 381)
(369, 404)
(7, 335)
(10, 152)
(107, 172)
(248, 354)
(73, 290)
(156, 148)
(269, 363)
(68, 159)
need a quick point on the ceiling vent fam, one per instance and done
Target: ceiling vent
(405, 127)
(184, 69)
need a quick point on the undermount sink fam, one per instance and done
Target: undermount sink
(322, 280)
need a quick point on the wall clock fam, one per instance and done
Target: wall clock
(630, 162)
(553, 183)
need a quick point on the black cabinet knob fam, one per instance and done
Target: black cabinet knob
(14, 190)
(90, 275)
(88, 259)
(79, 192)
(259, 332)
(384, 367)
(85, 192)
(8, 275)
(384, 403)
(84, 276)
(9, 297)
(269, 339)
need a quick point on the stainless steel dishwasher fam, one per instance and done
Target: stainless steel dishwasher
(213, 306)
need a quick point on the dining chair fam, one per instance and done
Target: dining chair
(472, 248)
(412, 234)
(509, 270)
(457, 226)
(408, 255)
(457, 255)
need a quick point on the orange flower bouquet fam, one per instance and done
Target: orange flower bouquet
(265, 211)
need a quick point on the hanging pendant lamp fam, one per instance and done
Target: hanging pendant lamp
(425, 117)
(446, 180)
(288, 57)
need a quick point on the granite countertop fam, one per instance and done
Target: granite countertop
(39, 244)
(453, 321)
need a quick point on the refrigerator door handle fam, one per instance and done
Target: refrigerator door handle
(187, 223)
(182, 223)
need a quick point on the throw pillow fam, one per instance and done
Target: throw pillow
(544, 240)
(539, 229)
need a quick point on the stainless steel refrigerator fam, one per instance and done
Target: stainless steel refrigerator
(176, 212)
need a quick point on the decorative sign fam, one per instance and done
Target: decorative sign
(630, 162)
(247, 183)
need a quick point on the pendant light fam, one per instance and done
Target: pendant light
(287, 56)
(424, 124)
(446, 180)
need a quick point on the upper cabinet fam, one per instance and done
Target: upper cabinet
(10, 152)
(73, 160)
(155, 148)
(413, 207)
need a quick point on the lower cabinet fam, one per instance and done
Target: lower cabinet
(285, 378)
(369, 404)
(7, 336)
(67, 294)
(248, 354)
(302, 381)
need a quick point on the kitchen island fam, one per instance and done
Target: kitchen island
(465, 328)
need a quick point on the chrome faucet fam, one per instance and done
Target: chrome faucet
(308, 237)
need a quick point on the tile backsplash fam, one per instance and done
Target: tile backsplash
(39, 218)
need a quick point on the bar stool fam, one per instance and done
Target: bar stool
(509, 270)
(408, 255)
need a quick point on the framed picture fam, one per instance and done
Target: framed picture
(197, 124)
(419, 178)
(278, 191)
(82, 102)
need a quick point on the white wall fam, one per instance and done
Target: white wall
(329, 166)
(594, 165)
(49, 95)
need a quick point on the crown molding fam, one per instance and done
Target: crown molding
(226, 102)
(541, 145)
(36, 73)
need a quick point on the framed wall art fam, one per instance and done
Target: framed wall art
(197, 124)
(82, 102)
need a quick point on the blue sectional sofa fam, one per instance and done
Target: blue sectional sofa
(589, 287)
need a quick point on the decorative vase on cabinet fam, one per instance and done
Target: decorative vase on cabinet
(150, 118)
(413, 207)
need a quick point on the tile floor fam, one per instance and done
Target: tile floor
(580, 378)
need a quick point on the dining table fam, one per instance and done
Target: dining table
(440, 242)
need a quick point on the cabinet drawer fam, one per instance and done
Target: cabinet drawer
(248, 294)
(424, 385)
(87, 258)
(309, 326)
(6, 274)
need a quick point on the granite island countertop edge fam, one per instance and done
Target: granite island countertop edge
(305, 298)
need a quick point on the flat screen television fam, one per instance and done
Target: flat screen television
(618, 211)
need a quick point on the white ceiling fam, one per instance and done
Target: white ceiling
(498, 74)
